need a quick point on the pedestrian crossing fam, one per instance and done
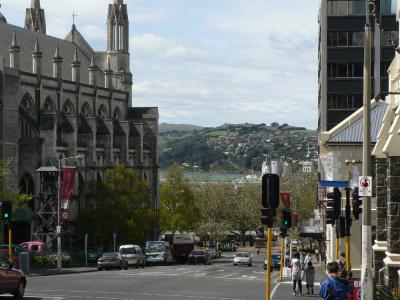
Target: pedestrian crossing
(220, 272)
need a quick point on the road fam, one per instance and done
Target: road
(220, 281)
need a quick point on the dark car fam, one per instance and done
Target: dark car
(12, 281)
(16, 250)
(112, 260)
(93, 254)
(199, 257)
(275, 262)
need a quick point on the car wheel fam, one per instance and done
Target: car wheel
(19, 293)
(234, 264)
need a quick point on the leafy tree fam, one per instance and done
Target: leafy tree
(178, 210)
(120, 203)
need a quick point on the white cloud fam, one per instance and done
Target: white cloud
(150, 44)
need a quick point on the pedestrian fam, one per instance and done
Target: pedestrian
(302, 259)
(342, 265)
(296, 274)
(307, 259)
(309, 274)
(317, 255)
(334, 287)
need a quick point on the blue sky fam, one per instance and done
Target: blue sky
(207, 62)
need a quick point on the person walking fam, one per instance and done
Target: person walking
(309, 274)
(296, 274)
(307, 259)
(334, 287)
(342, 265)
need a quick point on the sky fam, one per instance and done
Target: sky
(208, 62)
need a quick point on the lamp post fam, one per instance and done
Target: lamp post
(58, 230)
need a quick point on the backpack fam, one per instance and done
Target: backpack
(338, 289)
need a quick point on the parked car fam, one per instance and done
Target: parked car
(199, 256)
(242, 258)
(110, 260)
(93, 254)
(275, 262)
(133, 254)
(35, 247)
(16, 250)
(12, 281)
(158, 252)
(213, 252)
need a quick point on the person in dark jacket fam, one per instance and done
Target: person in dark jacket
(309, 274)
(334, 287)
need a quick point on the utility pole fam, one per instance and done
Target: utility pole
(366, 247)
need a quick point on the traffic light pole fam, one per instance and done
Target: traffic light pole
(269, 248)
(348, 226)
(337, 245)
(10, 256)
(282, 257)
(366, 250)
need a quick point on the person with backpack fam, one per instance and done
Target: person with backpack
(334, 287)
(309, 274)
(296, 274)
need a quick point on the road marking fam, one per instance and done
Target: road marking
(226, 276)
(274, 290)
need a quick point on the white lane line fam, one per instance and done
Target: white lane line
(226, 276)
(274, 290)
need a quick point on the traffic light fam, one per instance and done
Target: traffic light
(270, 192)
(267, 217)
(333, 206)
(375, 9)
(286, 222)
(357, 202)
(341, 226)
(6, 209)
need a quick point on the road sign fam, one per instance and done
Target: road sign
(365, 186)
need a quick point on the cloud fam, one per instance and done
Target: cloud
(152, 45)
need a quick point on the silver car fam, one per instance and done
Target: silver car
(242, 258)
(112, 260)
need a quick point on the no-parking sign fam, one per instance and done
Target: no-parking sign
(365, 186)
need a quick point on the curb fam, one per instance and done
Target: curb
(55, 273)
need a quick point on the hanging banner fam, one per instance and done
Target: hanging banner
(67, 186)
(286, 199)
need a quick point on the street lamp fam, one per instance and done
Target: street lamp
(58, 230)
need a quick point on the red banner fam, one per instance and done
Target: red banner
(67, 186)
(286, 199)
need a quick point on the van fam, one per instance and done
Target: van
(133, 254)
(158, 252)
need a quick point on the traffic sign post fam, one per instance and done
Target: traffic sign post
(365, 186)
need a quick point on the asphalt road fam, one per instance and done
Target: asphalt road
(220, 281)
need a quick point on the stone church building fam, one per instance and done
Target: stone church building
(60, 98)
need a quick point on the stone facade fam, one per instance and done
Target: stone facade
(60, 98)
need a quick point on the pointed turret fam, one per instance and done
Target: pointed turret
(2, 18)
(76, 67)
(118, 27)
(57, 63)
(108, 75)
(14, 53)
(37, 58)
(92, 71)
(35, 19)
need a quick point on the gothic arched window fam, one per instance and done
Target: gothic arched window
(68, 108)
(49, 106)
(117, 114)
(86, 110)
(102, 112)
(27, 104)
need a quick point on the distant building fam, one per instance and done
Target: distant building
(277, 167)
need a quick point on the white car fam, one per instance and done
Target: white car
(242, 258)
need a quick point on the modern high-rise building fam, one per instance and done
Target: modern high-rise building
(341, 56)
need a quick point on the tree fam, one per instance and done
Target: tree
(122, 204)
(178, 210)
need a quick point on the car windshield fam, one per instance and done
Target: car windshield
(197, 252)
(242, 255)
(110, 254)
(154, 247)
(128, 250)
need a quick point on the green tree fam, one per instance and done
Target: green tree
(120, 203)
(178, 209)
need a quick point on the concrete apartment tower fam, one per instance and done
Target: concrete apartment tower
(35, 20)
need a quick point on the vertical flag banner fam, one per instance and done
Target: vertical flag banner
(67, 187)
(286, 199)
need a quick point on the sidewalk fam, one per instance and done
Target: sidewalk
(283, 290)
(64, 271)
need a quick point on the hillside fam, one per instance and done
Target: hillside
(234, 147)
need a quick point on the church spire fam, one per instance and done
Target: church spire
(118, 27)
(2, 18)
(35, 19)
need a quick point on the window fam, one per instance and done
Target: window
(342, 38)
(357, 100)
(384, 68)
(344, 101)
(332, 39)
(358, 69)
(389, 38)
(358, 7)
(386, 7)
(342, 70)
(357, 38)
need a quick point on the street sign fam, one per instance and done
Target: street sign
(58, 229)
(333, 183)
(365, 186)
